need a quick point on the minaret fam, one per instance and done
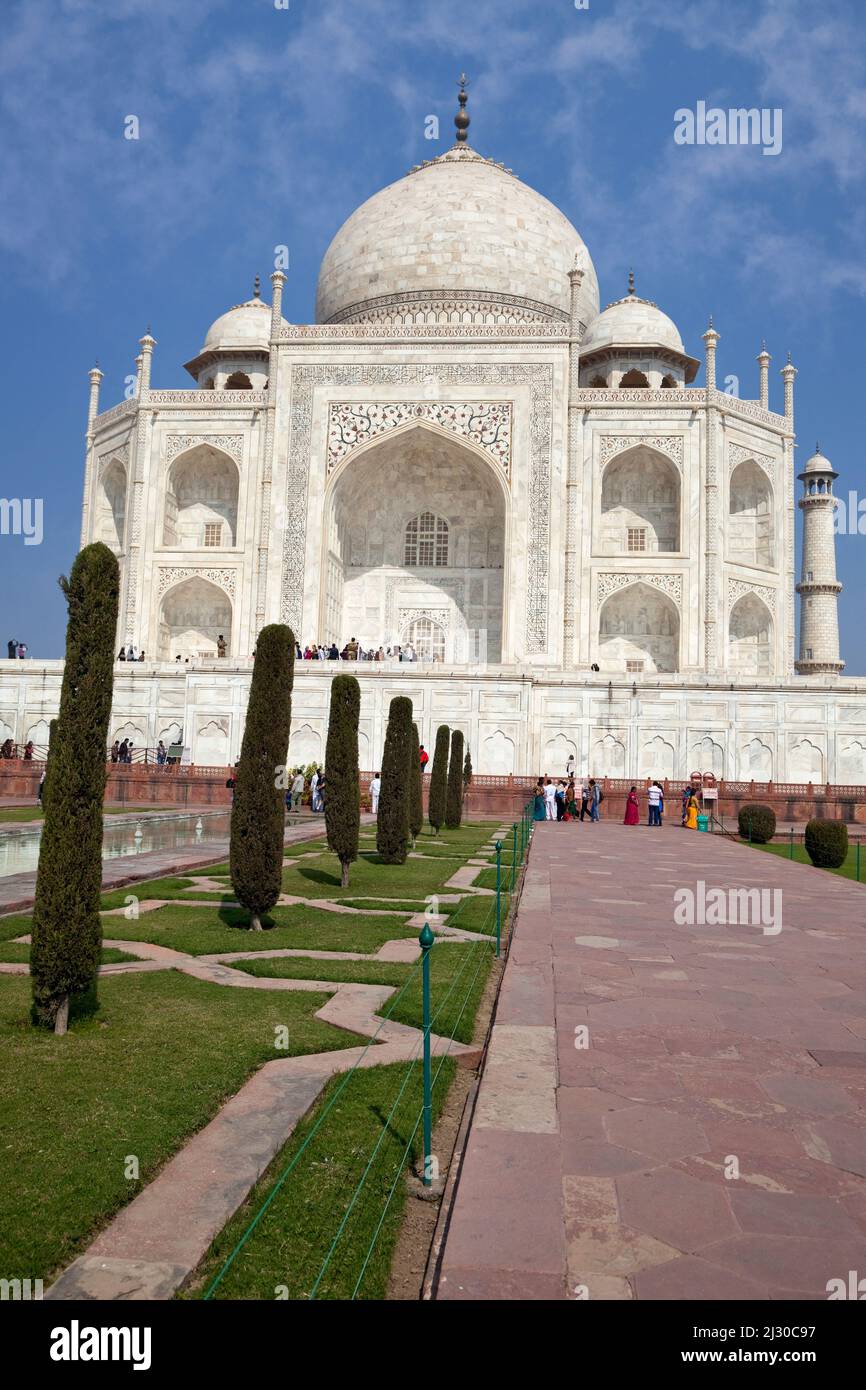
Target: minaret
(818, 588)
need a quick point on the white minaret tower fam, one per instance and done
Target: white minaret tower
(818, 588)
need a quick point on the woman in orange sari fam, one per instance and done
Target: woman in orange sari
(632, 810)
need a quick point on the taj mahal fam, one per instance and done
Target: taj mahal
(588, 551)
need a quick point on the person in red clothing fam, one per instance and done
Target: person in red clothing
(425, 758)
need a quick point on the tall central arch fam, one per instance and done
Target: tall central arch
(415, 541)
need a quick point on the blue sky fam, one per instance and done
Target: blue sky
(261, 126)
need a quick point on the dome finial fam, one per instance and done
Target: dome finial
(461, 120)
(630, 280)
(257, 288)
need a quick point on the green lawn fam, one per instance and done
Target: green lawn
(141, 1076)
(203, 931)
(847, 870)
(369, 877)
(458, 973)
(370, 1133)
(20, 951)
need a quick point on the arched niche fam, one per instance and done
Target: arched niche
(201, 501)
(608, 757)
(640, 504)
(750, 637)
(192, 617)
(708, 756)
(305, 746)
(111, 506)
(657, 758)
(211, 744)
(750, 522)
(755, 761)
(805, 762)
(634, 378)
(497, 755)
(377, 583)
(639, 631)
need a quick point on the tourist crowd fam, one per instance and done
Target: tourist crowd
(353, 651)
(571, 799)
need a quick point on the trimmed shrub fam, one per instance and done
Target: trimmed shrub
(343, 799)
(416, 798)
(827, 843)
(467, 772)
(66, 929)
(454, 794)
(439, 778)
(392, 827)
(762, 820)
(259, 810)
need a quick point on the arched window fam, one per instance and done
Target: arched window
(239, 381)
(428, 639)
(208, 385)
(667, 382)
(634, 378)
(426, 543)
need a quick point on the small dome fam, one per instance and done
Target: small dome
(818, 463)
(632, 322)
(246, 325)
(456, 226)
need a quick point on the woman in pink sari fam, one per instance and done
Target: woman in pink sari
(632, 810)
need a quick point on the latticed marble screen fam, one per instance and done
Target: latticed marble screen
(426, 543)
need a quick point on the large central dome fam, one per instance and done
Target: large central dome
(458, 239)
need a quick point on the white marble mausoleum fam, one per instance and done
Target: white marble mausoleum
(589, 550)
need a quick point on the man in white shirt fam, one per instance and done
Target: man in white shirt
(654, 798)
(314, 790)
(549, 800)
(375, 788)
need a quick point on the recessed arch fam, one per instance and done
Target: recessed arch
(193, 615)
(639, 631)
(750, 515)
(111, 505)
(201, 500)
(750, 637)
(634, 378)
(640, 503)
(369, 591)
(238, 381)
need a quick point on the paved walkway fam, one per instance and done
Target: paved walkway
(710, 1140)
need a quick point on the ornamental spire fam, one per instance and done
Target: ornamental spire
(461, 120)
(630, 280)
(257, 288)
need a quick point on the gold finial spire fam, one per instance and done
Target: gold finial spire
(257, 288)
(630, 280)
(461, 120)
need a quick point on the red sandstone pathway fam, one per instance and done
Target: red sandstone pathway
(600, 1171)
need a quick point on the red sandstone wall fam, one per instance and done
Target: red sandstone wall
(142, 784)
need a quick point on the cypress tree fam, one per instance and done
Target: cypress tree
(343, 798)
(392, 830)
(66, 930)
(416, 799)
(439, 778)
(467, 772)
(52, 731)
(258, 813)
(454, 794)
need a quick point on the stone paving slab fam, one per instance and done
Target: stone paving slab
(705, 1138)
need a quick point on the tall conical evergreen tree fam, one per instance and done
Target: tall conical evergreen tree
(343, 799)
(416, 796)
(439, 778)
(454, 795)
(259, 811)
(467, 772)
(66, 930)
(392, 827)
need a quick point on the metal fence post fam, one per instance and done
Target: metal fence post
(498, 897)
(858, 861)
(791, 854)
(426, 940)
(514, 857)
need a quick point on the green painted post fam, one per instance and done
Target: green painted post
(498, 897)
(426, 940)
(791, 854)
(858, 861)
(514, 857)
(750, 829)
